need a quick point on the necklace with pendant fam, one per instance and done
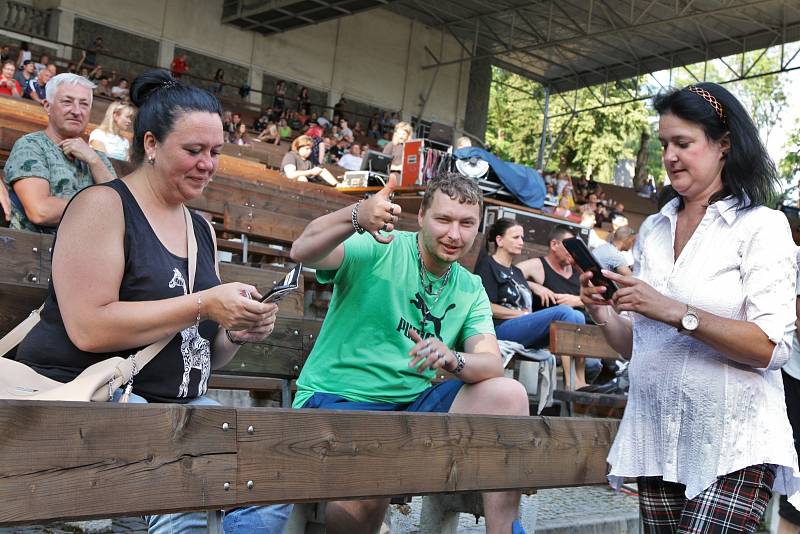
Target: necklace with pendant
(427, 286)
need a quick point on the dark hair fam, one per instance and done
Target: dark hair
(748, 174)
(559, 232)
(456, 186)
(161, 100)
(498, 229)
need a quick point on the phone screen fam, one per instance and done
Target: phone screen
(587, 262)
(289, 284)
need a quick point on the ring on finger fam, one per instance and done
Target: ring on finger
(385, 227)
(439, 355)
(391, 209)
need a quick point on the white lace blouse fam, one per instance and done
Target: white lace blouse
(692, 413)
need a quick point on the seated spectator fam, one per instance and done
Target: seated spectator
(563, 210)
(346, 132)
(284, 130)
(5, 54)
(261, 122)
(562, 181)
(109, 136)
(550, 198)
(121, 90)
(323, 121)
(304, 117)
(358, 130)
(462, 142)
(44, 61)
(618, 210)
(103, 87)
(122, 280)
(517, 313)
(35, 90)
(294, 121)
(374, 129)
(179, 66)
(648, 188)
(26, 73)
(610, 255)
(9, 86)
(339, 110)
(351, 161)
(329, 150)
(240, 136)
(296, 164)
(46, 168)
(97, 73)
(402, 133)
(53, 69)
(270, 134)
(588, 220)
(556, 281)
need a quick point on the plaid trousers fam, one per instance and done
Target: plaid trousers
(734, 503)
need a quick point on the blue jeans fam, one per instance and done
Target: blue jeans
(533, 329)
(259, 519)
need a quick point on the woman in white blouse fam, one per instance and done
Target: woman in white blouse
(707, 320)
(108, 137)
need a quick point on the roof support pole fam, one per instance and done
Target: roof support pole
(545, 125)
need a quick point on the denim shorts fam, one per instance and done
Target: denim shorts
(436, 399)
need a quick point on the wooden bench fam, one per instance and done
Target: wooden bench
(80, 461)
(584, 341)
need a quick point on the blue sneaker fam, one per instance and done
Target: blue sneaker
(516, 528)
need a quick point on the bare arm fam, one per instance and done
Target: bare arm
(87, 281)
(40, 207)
(481, 357)
(5, 202)
(292, 173)
(321, 245)
(77, 148)
(533, 270)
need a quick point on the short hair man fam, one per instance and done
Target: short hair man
(610, 255)
(556, 281)
(351, 161)
(36, 88)
(26, 72)
(46, 168)
(403, 308)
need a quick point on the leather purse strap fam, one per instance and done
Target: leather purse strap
(144, 356)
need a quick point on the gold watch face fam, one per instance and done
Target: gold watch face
(690, 322)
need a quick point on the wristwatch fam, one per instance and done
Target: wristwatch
(690, 320)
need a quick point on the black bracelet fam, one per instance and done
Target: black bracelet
(354, 217)
(234, 341)
(460, 363)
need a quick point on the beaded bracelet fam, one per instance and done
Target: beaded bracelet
(354, 217)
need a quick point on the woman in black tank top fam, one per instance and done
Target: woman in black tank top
(120, 276)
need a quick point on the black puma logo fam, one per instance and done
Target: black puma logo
(419, 303)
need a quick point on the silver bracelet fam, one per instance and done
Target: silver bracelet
(460, 363)
(354, 217)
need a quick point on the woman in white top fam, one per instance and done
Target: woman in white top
(108, 136)
(707, 320)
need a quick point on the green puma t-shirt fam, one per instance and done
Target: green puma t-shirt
(362, 350)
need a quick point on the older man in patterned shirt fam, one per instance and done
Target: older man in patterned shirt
(46, 168)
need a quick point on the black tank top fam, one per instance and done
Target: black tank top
(180, 371)
(558, 284)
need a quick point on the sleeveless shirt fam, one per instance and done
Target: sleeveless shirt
(180, 371)
(559, 284)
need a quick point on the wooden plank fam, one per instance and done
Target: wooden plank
(569, 339)
(259, 223)
(591, 399)
(78, 460)
(311, 455)
(23, 256)
(250, 383)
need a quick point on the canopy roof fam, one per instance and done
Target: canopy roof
(564, 44)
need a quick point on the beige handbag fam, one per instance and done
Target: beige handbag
(97, 382)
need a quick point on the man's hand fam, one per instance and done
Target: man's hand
(547, 296)
(377, 213)
(430, 353)
(77, 148)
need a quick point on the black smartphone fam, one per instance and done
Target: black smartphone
(587, 262)
(289, 284)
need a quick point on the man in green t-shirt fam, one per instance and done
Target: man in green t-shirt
(403, 308)
(47, 168)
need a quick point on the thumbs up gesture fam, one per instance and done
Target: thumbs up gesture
(377, 214)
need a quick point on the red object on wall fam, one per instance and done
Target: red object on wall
(412, 162)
